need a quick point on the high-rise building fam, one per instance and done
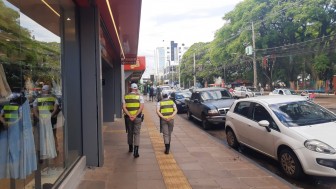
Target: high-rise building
(167, 61)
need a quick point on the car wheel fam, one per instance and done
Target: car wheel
(189, 114)
(231, 139)
(205, 123)
(290, 164)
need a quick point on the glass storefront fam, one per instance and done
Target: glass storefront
(32, 126)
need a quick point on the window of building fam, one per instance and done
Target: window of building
(32, 147)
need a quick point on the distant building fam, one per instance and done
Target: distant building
(167, 61)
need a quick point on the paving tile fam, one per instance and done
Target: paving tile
(151, 175)
(203, 183)
(232, 183)
(248, 173)
(85, 184)
(223, 173)
(194, 174)
(152, 184)
(257, 182)
(96, 175)
(205, 162)
(190, 166)
(116, 184)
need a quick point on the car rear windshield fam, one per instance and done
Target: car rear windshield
(182, 95)
(302, 113)
(215, 95)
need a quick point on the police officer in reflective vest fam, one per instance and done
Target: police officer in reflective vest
(11, 113)
(166, 110)
(133, 104)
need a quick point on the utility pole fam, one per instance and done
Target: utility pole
(254, 59)
(194, 72)
(179, 73)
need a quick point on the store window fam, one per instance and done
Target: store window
(31, 120)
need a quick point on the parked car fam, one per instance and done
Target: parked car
(281, 92)
(179, 99)
(209, 105)
(291, 129)
(245, 92)
(254, 91)
(159, 90)
(286, 92)
(242, 92)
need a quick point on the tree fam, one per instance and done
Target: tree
(293, 36)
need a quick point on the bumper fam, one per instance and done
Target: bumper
(181, 107)
(216, 119)
(318, 164)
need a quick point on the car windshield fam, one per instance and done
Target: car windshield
(215, 95)
(301, 113)
(287, 92)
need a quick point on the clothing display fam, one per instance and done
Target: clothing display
(17, 147)
(47, 141)
(45, 104)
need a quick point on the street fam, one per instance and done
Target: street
(308, 182)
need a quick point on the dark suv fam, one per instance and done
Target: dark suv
(209, 105)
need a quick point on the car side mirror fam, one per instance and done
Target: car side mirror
(265, 123)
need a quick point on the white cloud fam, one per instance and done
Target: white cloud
(182, 21)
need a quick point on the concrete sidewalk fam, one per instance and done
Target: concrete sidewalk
(197, 160)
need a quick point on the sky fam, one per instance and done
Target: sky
(181, 21)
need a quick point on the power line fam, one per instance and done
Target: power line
(313, 45)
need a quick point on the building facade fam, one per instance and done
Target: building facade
(62, 76)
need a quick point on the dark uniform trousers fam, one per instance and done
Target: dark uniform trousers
(167, 129)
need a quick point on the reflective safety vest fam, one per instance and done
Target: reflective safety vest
(45, 106)
(11, 113)
(132, 103)
(166, 107)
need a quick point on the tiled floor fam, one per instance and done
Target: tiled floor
(205, 162)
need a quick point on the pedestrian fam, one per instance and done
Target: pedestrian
(133, 104)
(148, 91)
(151, 93)
(166, 110)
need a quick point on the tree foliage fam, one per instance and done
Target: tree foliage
(292, 38)
(21, 55)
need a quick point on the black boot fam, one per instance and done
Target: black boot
(167, 148)
(136, 152)
(130, 148)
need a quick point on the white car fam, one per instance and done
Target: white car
(281, 92)
(293, 130)
(285, 92)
